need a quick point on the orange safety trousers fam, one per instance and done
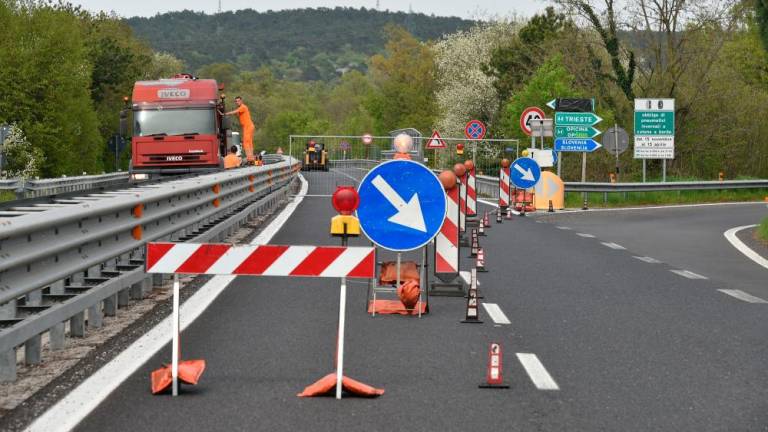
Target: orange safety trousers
(248, 140)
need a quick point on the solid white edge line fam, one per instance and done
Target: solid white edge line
(497, 315)
(743, 296)
(67, 413)
(537, 372)
(593, 210)
(730, 235)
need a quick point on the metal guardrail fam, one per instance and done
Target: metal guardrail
(84, 255)
(489, 186)
(33, 188)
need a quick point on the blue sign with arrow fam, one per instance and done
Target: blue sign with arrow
(525, 173)
(576, 145)
(402, 205)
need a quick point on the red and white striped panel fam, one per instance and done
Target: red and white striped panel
(463, 204)
(447, 240)
(471, 193)
(266, 260)
(504, 187)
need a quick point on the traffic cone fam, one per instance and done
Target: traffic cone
(509, 213)
(551, 208)
(480, 261)
(486, 220)
(498, 216)
(475, 244)
(473, 309)
(494, 376)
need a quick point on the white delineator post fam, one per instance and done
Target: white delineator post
(175, 346)
(504, 188)
(340, 344)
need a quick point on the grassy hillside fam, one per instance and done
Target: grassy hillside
(302, 44)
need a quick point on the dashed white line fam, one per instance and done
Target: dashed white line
(585, 235)
(741, 295)
(496, 314)
(563, 227)
(613, 245)
(537, 372)
(688, 274)
(649, 260)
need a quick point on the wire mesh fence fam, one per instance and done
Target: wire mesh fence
(329, 161)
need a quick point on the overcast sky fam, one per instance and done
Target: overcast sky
(464, 9)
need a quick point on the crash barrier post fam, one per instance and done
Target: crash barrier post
(494, 377)
(473, 303)
(446, 248)
(256, 260)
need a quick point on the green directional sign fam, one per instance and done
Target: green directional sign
(576, 132)
(576, 119)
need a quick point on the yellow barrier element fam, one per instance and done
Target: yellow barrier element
(339, 221)
(549, 188)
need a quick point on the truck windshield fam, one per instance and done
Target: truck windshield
(177, 121)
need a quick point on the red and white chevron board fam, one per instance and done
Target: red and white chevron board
(471, 193)
(462, 203)
(447, 240)
(504, 187)
(265, 260)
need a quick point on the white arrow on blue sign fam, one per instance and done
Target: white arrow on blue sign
(576, 145)
(402, 205)
(525, 173)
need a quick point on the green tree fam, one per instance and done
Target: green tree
(223, 73)
(404, 82)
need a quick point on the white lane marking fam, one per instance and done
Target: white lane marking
(741, 295)
(688, 274)
(563, 227)
(496, 314)
(537, 372)
(730, 235)
(467, 277)
(648, 259)
(493, 204)
(613, 245)
(585, 235)
(75, 406)
(593, 210)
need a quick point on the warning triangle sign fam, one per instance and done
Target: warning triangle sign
(435, 141)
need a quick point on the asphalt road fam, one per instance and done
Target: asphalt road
(631, 345)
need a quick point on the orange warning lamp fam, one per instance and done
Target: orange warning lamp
(459, 169)
(459, 149)
(469, 164)
(345, 200)
(505, 163)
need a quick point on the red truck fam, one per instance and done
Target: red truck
(177, 126)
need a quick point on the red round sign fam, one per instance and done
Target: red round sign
(530, 113)
(475, 129)
(367, 139)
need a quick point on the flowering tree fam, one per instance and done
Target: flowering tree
(20, 159)
(464, 91)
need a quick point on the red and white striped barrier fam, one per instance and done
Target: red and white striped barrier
(447, 240)
(265, 260)
(462, 183)
(504, 188)
(471, 193)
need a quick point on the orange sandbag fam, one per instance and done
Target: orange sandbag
(408, 293)
(394, 307)
(190, 372)
(328, 383)
(408, 271)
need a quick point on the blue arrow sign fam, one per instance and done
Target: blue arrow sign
(402, 205)
(576, 145)
(525, 172)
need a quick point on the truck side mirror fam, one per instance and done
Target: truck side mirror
(123, 123)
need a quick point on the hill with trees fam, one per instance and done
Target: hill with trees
(300, 44)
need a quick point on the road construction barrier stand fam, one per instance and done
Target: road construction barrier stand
(480, 262)
(403, 273)
(504, 182)
(462, 204)
(473, 303)
(262, 260)
(446, 248)
(471, 193)
(494, 377)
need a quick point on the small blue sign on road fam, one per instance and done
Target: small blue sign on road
(402, 205)
(525, 173)
(576, 145)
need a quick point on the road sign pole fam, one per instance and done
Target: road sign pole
(616, 148)
(340, 340)
(583, 167)
(559, 163)
(643, 170)
(175, 341)
(541, 131)
(664, 171)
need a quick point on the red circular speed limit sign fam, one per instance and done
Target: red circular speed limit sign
(530, 113)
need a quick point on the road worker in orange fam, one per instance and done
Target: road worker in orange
(246, 125)
(232, 160)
